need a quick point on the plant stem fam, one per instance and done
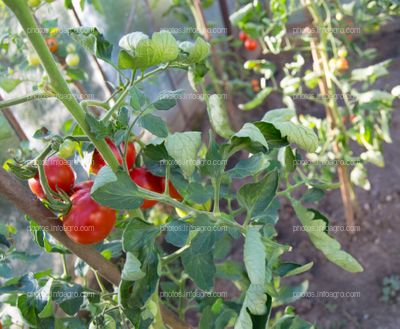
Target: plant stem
(22, 12)
(23, 99)
(175, 255)
(101, 285)
(64, 262)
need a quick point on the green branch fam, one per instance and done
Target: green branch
(23, 99)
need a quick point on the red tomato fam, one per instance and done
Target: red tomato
(250, 44)
(145, 179)
(243, 36)
(87, 222)
(59, 175)
(82, 186)
(52, 43)
(98, 161)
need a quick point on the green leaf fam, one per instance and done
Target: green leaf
(93, 41)
(371, 72)
(197, 51)
(250, 136)
(254, 256)
(145, 52)
(138, 234)
(256, 197)
(125, 60)
(137, 99)
(295, 133)
(131, 270)
(167, 100)
(242, 13)
(256, 303)
(279, 115)
(219, 116)
(8, 85)
(200, 267)
(154, 124)
(249, 167)
(287, 159)
(115, 190)
(177, 232)
(97, 127)
(257, 100)
(290, 269)
(183, 148)
(316, 229)
(68, 296)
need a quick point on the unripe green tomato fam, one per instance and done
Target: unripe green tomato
(205, 207)
(71, 48)
(339, 16)
(108, 323)
(10, 71)
(33, 59)
(342, 52)
(67, 149)
(33, 3)
(72, 59)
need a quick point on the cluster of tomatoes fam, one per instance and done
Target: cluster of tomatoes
(72, 59)
(88, 222)
(249, 44)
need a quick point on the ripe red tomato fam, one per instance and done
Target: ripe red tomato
(342, 64)
(243, 36)
(82, 185)
(52, 43)
(250, 44)
(98, 161)
(88, 222)
(59, 175)
(145, 179)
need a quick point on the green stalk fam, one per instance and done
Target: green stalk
(23, 99)
(22, 12)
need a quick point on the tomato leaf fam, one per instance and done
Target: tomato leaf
(93, 41)
(249, 136)
(302, 136)
(154, 124)
(131, 270)
(115, 190)
(316, 229)
(219, 117)
(8, 85)
(196, 52)
(183, 148)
